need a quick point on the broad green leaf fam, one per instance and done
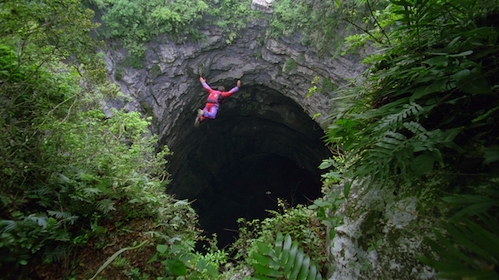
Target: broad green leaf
(436, 86)
(422, 164)
(327, 223)
(278, 244)
(292, 256)
(267, 271)
(486, 115)
(474, 209)
(176, 267)
(490, 154)
(298, 264)
(437, 61)
(305, 268)
(326, 164)
(465, 53)
(201, 264)
(461, 74)
(162, 248)
(212, 271)
(264, 260)
(263, 247)
(346, 188)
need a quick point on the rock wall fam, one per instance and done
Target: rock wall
(168, 86)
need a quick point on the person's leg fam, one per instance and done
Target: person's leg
(210, 112)
(199, 117)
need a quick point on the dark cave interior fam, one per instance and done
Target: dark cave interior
(262, 146)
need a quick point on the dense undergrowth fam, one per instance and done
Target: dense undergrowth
(82, 191)
(426, 111)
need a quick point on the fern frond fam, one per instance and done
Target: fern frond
(106, 205)
(8, 225)
(59, 214)
(56, 254)
(394, 121)
(63, 216)
(286, 259)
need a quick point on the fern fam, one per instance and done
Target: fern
(285, 261)
(56, 254)
(469, 251)
(106, 205)
(63, 216)
(395, 120)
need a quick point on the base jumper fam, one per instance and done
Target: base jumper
(215, 97)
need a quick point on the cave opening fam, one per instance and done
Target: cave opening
(261, 147)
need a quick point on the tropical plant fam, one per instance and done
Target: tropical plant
(286, 260)
(395, 119)
(179, 260)
(426, 108)
(466, 247)
(298, 222)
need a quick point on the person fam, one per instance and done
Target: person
(215, 97)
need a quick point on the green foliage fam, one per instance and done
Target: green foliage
(178, 260)
(114, 256)
(396, 119)
(467, 248)
(290, 17)
(137, 22)
(69, 171)
(424, 111)
(321, 24)
(299, 222)
(285, 261)
(290, 65)
(232, 16)
(329, 203)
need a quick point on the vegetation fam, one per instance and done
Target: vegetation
(77, 180)
(426, 110)
(135, 22)
(286, 259)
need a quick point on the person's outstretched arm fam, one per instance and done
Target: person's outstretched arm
(233, 90)
(205, 85)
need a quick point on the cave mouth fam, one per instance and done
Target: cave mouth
(261, 147)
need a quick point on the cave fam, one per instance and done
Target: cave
(262, 146)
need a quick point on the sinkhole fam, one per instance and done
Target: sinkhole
(261, 147)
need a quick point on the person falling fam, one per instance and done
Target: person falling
(215, 97)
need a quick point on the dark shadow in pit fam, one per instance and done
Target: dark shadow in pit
(249, 188)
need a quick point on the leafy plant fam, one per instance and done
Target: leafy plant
(465, 245)
(326, 205)
(394, 125)
(290, 65)
(425, 111)
(299, 222)
(286, 260)
(178, 260)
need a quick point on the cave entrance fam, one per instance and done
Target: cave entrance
(261, 147)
